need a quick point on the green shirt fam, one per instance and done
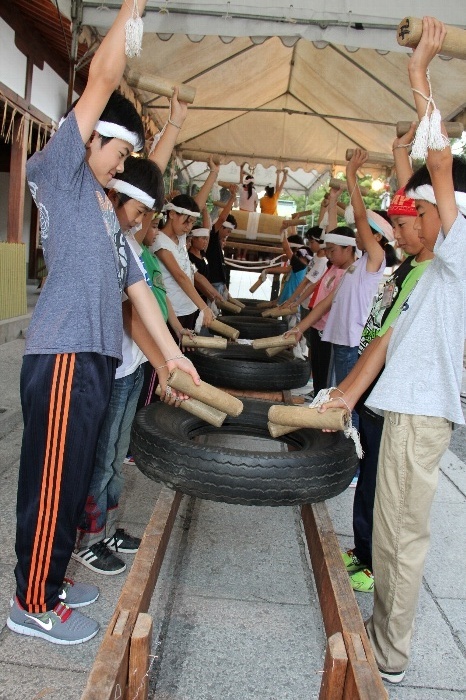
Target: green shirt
(412, 278)
(155, 274)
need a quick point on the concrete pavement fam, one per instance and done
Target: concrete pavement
(236, 615)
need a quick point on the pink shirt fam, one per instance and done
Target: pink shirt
(327, 284)
(352, 303)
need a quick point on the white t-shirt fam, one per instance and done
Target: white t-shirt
(182, 304)
(248, 203)
(424, 365)
(315, 270)
(132, 354)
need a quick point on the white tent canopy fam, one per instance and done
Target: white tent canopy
(280, 85)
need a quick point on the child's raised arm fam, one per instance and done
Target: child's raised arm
(161, 152)
(105, 71)
(400, 148)
(439, 162)
(371, 245)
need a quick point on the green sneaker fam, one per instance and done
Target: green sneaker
(351, 561)
(362, 581)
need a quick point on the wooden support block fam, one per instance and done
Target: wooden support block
(251, 394)
(336, 662)
(340, 612)
(257, 247)
(139, 655)
(109, 674)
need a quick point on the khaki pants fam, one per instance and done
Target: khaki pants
(407, 478)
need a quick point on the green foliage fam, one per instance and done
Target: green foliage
(313, 202)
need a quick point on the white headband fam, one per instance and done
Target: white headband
(117, 131)
(200, 233)
(179, 210)
(228, 224)
(380, 224)
(131, 191)
(304, 254)
(338, 239)
(426, 192)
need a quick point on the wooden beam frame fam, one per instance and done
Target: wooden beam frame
(340, 611)
(108, 678)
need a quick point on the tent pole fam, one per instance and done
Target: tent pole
(76, 23)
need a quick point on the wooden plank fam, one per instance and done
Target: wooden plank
(139, 653)
(109, 674)
(340, 611)
(251, 394)
(17, 180)
(336, 661)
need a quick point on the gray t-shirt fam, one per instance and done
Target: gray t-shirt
(87, 257)
(424, 366)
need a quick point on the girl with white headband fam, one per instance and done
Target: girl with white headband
(177, 271)
(349, 305)
(340, 246)
(75, 338)
(248, 199)
(419, 389)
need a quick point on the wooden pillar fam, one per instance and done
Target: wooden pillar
(17, 180)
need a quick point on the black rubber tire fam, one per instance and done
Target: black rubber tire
(251, 327)
(242, 367)
(251, 302)
(251, 311)
(317, 467)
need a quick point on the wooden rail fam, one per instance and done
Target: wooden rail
(121, 666)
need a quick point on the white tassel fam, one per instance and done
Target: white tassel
(198, 325)
(134, 29)
(421, 139)
(324, 223)
(349, 215)
(429, 132)
(350, 431)
(437, 140)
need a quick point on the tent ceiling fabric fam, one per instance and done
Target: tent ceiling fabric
(266, 94)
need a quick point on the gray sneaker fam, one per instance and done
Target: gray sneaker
(77, 595)
(59, 626)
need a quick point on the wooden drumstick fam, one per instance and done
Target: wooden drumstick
(277, 430)
(228, 306)
(338, 184)
(160, 86)
(304, 417)
(409, 34)
(205, 392)
(256, 284)
(224, 329)
(201, 410)
(275, 341)
(277, 312)
(204, 341)
(382, 158)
